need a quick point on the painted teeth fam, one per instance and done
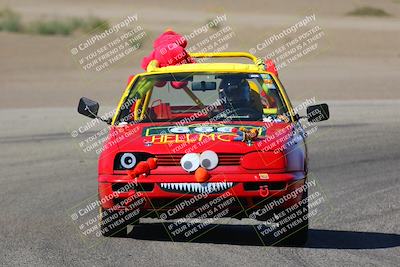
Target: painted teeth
(197, 187)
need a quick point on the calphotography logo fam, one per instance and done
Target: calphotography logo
(293, 43)
(100, 50)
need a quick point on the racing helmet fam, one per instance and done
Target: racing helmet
(235, 89)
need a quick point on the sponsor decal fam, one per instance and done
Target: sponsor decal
(194, 133)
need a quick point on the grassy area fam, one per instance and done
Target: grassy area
(66, 26)
(368, 11)
(10, 21)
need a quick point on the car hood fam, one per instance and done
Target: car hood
(168, 138)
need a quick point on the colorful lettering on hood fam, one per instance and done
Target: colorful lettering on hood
(195, 133)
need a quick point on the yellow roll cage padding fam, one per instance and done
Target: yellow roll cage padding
(205, 67)
(225, 55)
(269, 111)
(139, 111)
(146, 103)
(136, 110)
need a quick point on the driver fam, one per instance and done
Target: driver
(236, 90)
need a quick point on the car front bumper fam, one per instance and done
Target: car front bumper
(162, 192)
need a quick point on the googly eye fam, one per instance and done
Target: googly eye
(179, 130)
(209, 159)
(190, 162)
(128, 160)
(204, 129)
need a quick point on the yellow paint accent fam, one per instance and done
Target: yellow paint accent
(179, 140)
(253, 86)
(159, 137)
(146, 103)
(285, 97)
(210, 136)
(123, 98)
(169, 138)
(136, 112)
(220, 137)
(225, 54)
(152, 66)
(208, 67)
(172, 138)
(270, 110)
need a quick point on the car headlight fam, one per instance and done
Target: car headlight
(127, 160)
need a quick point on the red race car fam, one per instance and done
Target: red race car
(204, 141)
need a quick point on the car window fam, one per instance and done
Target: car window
(202, 97)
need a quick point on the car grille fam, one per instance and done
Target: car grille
(196, 188)
(174, 160)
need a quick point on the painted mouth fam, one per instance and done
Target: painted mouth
(195, 188)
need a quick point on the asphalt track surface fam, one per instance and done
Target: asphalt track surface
(355, 158)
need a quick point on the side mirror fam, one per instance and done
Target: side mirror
(88, 107)
(318, 113)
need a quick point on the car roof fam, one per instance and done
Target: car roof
(214, 67)
(198, 67)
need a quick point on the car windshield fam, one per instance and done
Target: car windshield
(202, 97)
